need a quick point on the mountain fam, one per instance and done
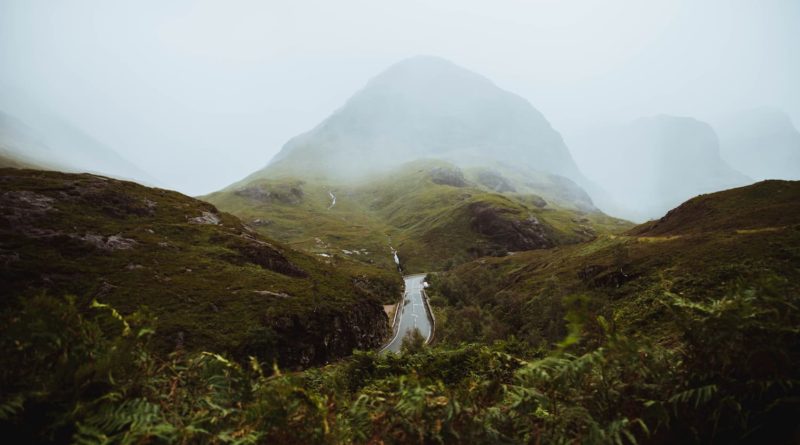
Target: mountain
(213, 284)
(426, 107)
(653, 164)
(763, 143)
(41, 139)
(21, 148)
(428, 159)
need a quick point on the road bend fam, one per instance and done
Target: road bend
(413, 313)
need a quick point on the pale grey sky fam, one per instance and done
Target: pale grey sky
(201, 93)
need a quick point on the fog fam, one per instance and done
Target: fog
(199, 94)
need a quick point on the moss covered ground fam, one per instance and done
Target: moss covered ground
(212, 283)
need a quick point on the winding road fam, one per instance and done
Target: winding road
(412, 313)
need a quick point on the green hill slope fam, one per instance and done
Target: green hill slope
(212, 283)
(765, 205)
(703, 248)
(433, 213)
(690, 336)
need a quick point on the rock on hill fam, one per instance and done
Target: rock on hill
(212, 283)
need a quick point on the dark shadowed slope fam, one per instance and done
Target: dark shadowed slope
(767, 205)
(212, 283)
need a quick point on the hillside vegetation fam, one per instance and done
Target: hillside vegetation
(211, 282)
(433, 213)
(690, 336)
(705, 247)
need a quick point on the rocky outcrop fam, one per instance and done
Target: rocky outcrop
(279, 193)
(494, 181)
(248, 248)
(205, 218)
(507, 230)
(320, 335)
(109, 243)
(448, 176)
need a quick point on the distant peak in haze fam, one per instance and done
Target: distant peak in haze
(762, 142)
(427, 69)
(426, 107)
(667, 160)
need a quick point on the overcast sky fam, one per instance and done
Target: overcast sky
(201, 93)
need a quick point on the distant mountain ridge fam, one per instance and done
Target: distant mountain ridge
(763, 143)
(660, 161)
(32, 136)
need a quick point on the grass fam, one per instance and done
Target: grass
(623, 277)
(427, 210)
(216, 287)
(682, 333)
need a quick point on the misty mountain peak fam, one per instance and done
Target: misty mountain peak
(427, 107)
(762, 142)
(421, 72)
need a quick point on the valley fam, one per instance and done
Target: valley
(435, 214)
(428, 263)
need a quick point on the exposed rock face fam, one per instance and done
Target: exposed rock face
(285, 194)
(22, 207)
(263, 254)
(362, 326)
(563, 189)
(109, 243)
(205, 218)
(448, 176)
(507, 230)
(494, 181)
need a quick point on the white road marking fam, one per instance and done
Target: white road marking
(333, 200)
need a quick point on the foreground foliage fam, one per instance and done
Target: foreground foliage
(88, 376)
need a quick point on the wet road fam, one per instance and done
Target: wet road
(413, 313)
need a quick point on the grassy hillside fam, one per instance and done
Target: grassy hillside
(212, 283)
(706, 247)
(689, 336)
(433, 213)
(767, 205)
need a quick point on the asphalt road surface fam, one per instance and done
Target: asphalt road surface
(413, 313)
